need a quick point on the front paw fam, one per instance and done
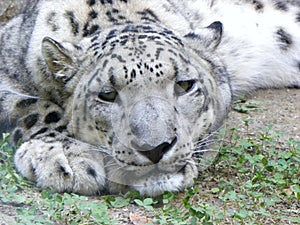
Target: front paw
(72, 169)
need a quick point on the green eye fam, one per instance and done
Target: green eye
(108, 96)
(183, 87)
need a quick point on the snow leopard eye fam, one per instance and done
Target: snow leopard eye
(108, 95)
(184, 87)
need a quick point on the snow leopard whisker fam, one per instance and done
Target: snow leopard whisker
(192, 162)
(110, 164)
(205, 150)
(116, 170)
(101, 149)
(204, 143)
(90, 146)
(211, 134)
(10, 91)
(108, 156)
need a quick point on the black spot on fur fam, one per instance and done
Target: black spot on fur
(89, 29)
(53, 135)
(110, 16)
(30, 120)
(51, 20)
(74, 23)
(133, 73)
(103, 2)
(93, 29)
(281, 6)
(119, 57)
(61, 128)
(17, 136)
(64, 171)
(258, 5)
(112, 80)
(90, 171)
(91, 2)
(298, 17)
(52, 117)
(41, 131)
(93, 14)
(148, 15)
(26, 103)
(284, 39)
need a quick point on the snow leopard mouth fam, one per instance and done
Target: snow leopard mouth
(157, 153)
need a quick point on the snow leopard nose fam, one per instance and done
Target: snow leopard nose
(156, 154)
(152, 123)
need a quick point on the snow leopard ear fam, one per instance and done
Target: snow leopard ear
(56, 57)
(208, 37)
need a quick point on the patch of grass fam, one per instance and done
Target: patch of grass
(53, 208)
(254, 180)
(244, 105)
(11, 181)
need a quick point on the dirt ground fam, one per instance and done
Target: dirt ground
(280, 108)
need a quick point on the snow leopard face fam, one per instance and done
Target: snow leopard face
(149, 100)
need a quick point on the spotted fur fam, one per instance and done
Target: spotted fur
(115, 95)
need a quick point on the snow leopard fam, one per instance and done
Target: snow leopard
(108, 96)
